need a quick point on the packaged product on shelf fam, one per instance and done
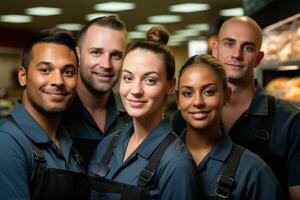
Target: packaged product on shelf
(277, 86)
(293, 89)
(295, 28)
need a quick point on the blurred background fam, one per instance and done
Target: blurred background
(193, 25)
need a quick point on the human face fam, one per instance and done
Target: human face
(238, 47)
(144, 85)
(50, 80)
(100, 54)
(201, 97)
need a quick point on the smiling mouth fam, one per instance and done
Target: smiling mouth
(199, 115)
(235, 65)
(136, 103)
(103, 74)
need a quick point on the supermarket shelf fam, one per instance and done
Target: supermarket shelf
(280, 66)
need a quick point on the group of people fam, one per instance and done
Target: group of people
(74, 136)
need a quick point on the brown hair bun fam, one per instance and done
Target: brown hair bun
(158, 34)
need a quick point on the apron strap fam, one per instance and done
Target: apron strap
(149, 171)
(79, 160)
(103, 169)
(264, 131)
(39, 159)
(226, 180)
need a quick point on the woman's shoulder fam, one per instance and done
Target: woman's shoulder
(177, 152)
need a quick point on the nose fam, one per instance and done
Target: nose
(198, 100)
(105, 61)
(57, 79)
(237, 52)
(137, 89)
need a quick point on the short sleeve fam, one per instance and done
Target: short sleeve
(14, 168)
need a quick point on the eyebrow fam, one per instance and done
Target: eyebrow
(50, 64)
(204, 86)
(146, 74)
(233, 40)
(70, 66)
(102, 49)
(45, 63)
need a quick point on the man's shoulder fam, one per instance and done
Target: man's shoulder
(13, 140)
(286, 106)
(8, 126)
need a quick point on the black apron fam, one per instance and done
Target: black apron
(108, 189)
(49, 183)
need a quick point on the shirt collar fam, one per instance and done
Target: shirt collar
(220, 151)
(31, 128)
(29, 125)
(151, 141)
(259, 104)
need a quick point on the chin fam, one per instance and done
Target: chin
(136, 114)
(199, 125)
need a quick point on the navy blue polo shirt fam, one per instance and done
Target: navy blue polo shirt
(84, 126)
(253, 180)
(16, 153)
(176, 175)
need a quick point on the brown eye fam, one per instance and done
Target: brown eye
(117, 56)
(209, 92)
(187, 93)
(249, 48)
(44, 71)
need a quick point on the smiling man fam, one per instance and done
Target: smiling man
(97, 111)
(35, 151)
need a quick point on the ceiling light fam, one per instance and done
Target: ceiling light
(197, 47)
(189, 7)
(146, 27)
(92, 16)
(16, 18)
(70, 26)
(136, 35)
(177, 38)
(164, 18)
(43, 11)
(198, 27)
(114, 6)
(187, 33)
(231, 12)
(174, 43)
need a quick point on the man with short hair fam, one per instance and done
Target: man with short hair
(268, 126)
(35, 151)
(97, 110)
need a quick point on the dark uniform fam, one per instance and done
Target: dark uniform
(279, 148)
(253, 179)
(175, 176)
(83, 128)
(18, 167)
